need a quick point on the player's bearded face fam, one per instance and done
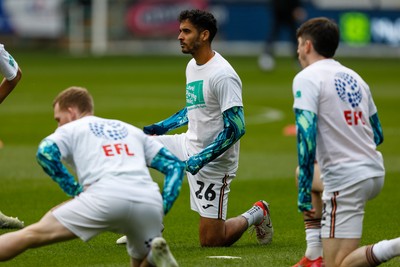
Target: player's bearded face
(192, 47)
(189, 38)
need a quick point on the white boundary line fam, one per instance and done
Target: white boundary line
(224, 257)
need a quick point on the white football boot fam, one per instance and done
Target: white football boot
(10, 222)
(161, 254)
(264, 230)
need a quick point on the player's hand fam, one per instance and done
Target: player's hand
(309, 213)
(305, 206)
(192, 165)
(154, 129)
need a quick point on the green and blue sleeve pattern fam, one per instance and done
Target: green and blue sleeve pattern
(377, 128)
(174, 170)
(234, 129)
(175, 121)
(306, 123)
(49, 157)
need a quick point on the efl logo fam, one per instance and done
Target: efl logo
(353, 117)
(117, 149)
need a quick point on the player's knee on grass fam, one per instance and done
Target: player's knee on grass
(211, 232)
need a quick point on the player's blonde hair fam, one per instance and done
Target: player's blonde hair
(75, 96)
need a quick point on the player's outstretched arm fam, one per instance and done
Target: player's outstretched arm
(7, 86)
(377, 128)
(175, 121)
(306, 123)
(49, 157)
(174, 170)
(234, 129)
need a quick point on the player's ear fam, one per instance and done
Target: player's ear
(74, 113)
(205, 35)
(308, 45)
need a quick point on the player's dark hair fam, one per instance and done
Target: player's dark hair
(323, 33)
(201, 20)
(75, 97)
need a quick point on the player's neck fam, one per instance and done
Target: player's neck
(202, 56)
(314, 58)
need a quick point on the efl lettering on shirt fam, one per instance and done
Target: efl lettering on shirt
(194, 95)
(353, 117)
(117, 149)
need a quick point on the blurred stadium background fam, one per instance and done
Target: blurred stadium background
(99, 27)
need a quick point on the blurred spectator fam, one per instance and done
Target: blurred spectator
(286, 14)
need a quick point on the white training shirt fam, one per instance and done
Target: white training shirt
(346, 151)
(8, 66)
(211, 89)
(111, 156)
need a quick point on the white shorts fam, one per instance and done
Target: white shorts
(343, 212)
(88, 215)
(209, 189)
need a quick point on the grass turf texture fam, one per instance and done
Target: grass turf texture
(142, 90)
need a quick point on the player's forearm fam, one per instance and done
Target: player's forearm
(174, 170)
(234, 129)
(306, 123)
(377, 128)
(49, 157)
(175, 121)
(7, 86)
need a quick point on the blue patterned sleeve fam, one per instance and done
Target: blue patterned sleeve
(234, 129)
(49, 157)
(306, 123)
(174, 170)
(175, 121)
(377, 128)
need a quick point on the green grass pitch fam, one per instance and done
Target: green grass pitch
(142, 90)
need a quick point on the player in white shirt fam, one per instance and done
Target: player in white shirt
(114, 191)
(210, 146)
(11, 76)
(11, 72)
(337, 125)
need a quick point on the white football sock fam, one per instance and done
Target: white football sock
(255, 215)
(387, 249)
(314, 243)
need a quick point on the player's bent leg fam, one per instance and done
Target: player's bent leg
(47, 231)
(337, 249)
(373, 255)
(220, 233)
(358, 258)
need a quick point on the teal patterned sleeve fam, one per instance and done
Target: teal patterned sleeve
(377, 128)
(175, 121)
(49, 157)
(174, 170)
(234, 129)
(306, 123)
